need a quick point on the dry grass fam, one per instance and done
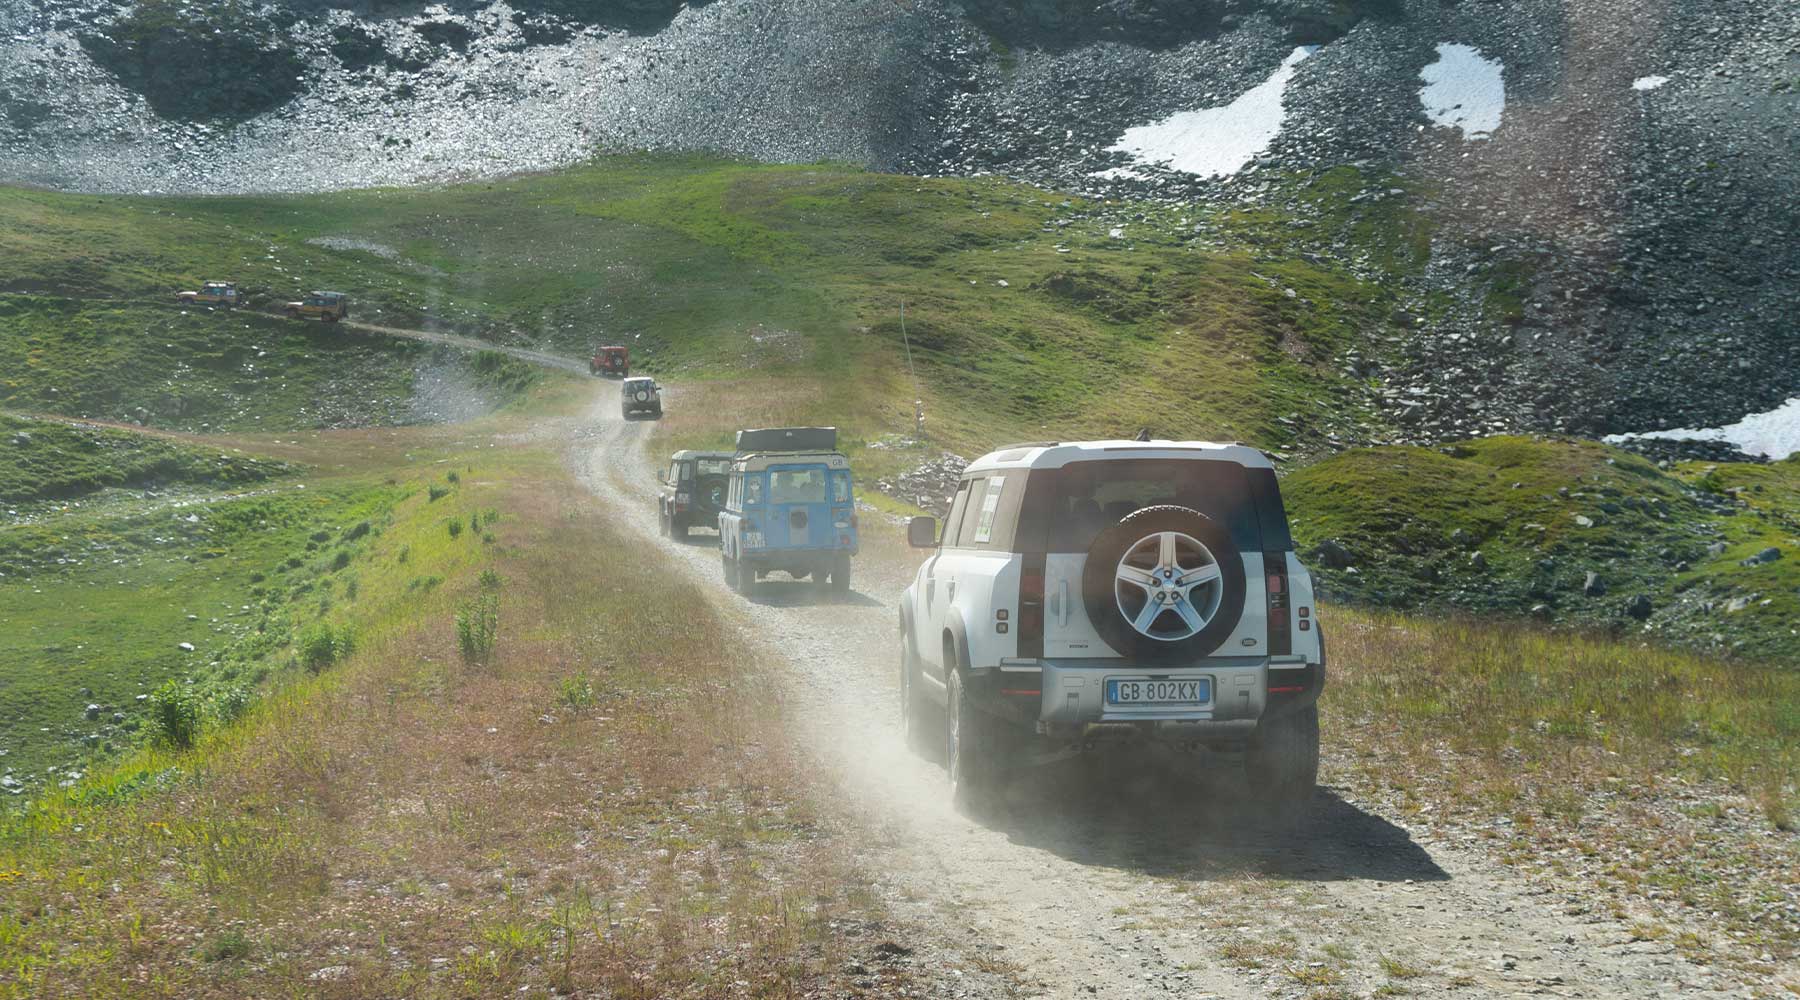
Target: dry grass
(1660, 779)
(413, 825)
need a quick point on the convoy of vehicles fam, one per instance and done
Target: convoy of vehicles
(1092, 595)
(327, 306)
(212, 293)
(790, 507)
(693, 492)
(639, 396)
(614, 361)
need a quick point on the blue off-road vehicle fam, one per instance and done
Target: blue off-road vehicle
(790, 507)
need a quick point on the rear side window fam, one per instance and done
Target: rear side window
(1065, 508)
(840, 487)
(965, 531)
(1271, 515)
(953, 519)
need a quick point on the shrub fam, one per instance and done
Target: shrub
(230, 704)
(453, 477)
(405, 554)
(490, 580)
(340, 560)
(175, 715)
(455, 529)
(577, 693)
(489, 516)
(475, 524)
(227, 946)
(435, 493)
(320, 536)
(321, 645)
(477, 625)
(359, 530)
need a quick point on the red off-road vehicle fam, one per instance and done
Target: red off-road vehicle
(615, 361)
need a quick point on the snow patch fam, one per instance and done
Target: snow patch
(1648, 82)
(1213, 142)
(1465, 89)
(1775, 433)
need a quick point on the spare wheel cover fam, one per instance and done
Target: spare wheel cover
(1164, 584)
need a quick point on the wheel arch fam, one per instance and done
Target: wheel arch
(956, 637)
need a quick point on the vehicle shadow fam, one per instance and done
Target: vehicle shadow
(786, 593)
(1176, 826)
(703, 539)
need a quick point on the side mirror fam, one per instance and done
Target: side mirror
(921, 533)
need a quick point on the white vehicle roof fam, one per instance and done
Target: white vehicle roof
(1056, 454)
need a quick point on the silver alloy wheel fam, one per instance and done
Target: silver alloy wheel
(1168, 586)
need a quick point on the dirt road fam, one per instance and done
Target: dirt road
(1085, 885)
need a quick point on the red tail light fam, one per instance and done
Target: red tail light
(1281, 641)
(1031, 606)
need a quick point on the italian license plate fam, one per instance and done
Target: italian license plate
(753, 540)
(1196, 691)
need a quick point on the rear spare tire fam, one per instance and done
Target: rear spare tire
(1164, 584)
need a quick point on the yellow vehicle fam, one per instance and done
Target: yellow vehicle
(213, 293)
(328, 306)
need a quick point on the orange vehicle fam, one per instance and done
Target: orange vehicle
(611, 361)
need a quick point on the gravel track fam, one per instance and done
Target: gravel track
(1086, 884)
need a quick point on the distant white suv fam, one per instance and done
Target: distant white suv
(1090, 594)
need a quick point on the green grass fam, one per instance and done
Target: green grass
(94, 607)
(1413, 518)
(719, 269)
(200, 369)
(47, 460)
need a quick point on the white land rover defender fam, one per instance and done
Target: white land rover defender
(1090, 594)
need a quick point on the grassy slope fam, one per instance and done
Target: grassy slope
(713, 269)
(1414, 518)
(95, 605)
(435, 827)
(197, 369)
(48, 460)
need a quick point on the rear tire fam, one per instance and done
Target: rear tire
(730, 566)
(972, 748)
(293, 314)
(684, 533)
(840, 574)
(1282, 766)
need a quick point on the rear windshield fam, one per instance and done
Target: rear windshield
(1064, 509)
(804, 485)
(713, 466)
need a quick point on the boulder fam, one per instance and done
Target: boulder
(1594, 586)
(1639, 607)
(1331, 554)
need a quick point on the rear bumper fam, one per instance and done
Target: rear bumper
(1070, 696)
